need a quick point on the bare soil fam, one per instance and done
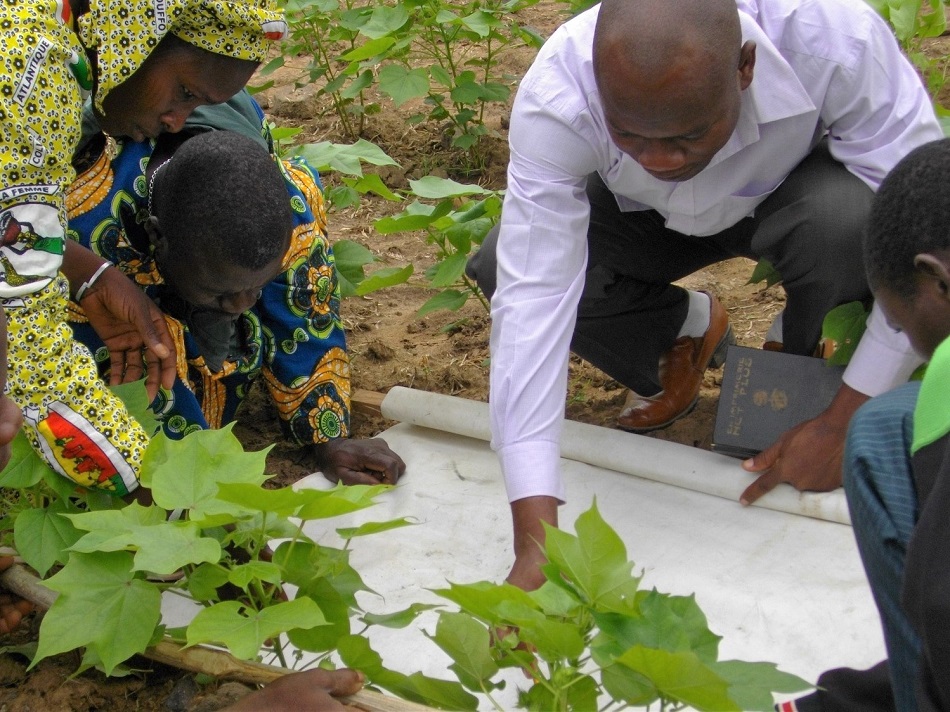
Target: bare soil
(445, 352)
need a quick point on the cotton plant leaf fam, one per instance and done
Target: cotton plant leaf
(102, 605)
(595, 560)
(483, 599)
(25, 467)
(367, 528)
(681, 677)
(398, 619)
(466, 641)
(160, 546)
(244, 631)
(43, 536)
(672, 623)
(751, 684)
(553, 639)
(185, 474)
(844, 326)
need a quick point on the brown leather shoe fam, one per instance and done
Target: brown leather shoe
(681, 372)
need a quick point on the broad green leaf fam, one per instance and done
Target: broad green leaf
(101, 605)
(626, 685)
(204, 581)
(374, 527)
(342, 499)
(553, 640)
(480, 22)
(450, 299)
(765, 272)
(672, 623)
(43, 536)
(844, 325)
(382, 278)
(384, 20)
(160, 546)
(243, 574)
(345, 158)
(582, 694)
(595, 560)
(185, 474)
(349, 252)
(244, 631)
(402, 84)
(284, 133)
(483, 598)
(372, 183)
(308, 565)
(404, 223)
(682, 677)
(449, 271)
(437, 188)
(136, 400)
(283, 502)
(336, 611)
(466, 93)
(397, 619)
(369, 49)
(356, 653)
(751, 684)
(25, 468)
(467, 642)
(362, 81)
(555, 600)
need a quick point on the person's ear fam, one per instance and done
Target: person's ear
(746, 64)
(934, 271)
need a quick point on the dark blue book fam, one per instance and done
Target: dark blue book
(765, 393)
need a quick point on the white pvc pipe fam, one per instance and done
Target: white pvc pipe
(652, 459)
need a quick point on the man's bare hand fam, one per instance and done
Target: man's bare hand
(359, 462)
(809, 456)
(528, 517)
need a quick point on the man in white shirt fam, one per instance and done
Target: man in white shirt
(654, 137)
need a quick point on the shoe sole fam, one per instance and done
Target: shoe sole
(717, 359)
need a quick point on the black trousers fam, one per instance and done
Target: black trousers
(810, 229)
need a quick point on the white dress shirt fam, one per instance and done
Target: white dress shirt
(823, 67)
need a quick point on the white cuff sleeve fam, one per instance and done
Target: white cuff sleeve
(532, 469)
(884, 358)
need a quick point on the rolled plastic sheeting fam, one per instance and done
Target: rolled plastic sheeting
(649, 458)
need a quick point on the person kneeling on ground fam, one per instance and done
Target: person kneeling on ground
(230, 243)
(897, 458)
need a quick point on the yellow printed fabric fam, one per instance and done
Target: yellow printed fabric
(71, 418)
(124, 34)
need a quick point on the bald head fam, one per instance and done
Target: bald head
(652, 36)
(670, 74)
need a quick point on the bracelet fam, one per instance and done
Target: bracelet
(81, 292)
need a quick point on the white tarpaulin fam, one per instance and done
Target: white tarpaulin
(777, 586)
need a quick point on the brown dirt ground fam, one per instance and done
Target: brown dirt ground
(444, 352)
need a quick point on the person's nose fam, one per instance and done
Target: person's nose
(173, 120)
(659, 156)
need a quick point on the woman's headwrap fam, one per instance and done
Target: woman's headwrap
(124, 34)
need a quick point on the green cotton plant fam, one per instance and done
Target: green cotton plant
(341, 43)
(452, 62)
(344, 162)
(204, 539)
(455, 224)
(591, 634)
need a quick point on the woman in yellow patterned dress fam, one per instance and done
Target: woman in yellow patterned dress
(148, 64)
